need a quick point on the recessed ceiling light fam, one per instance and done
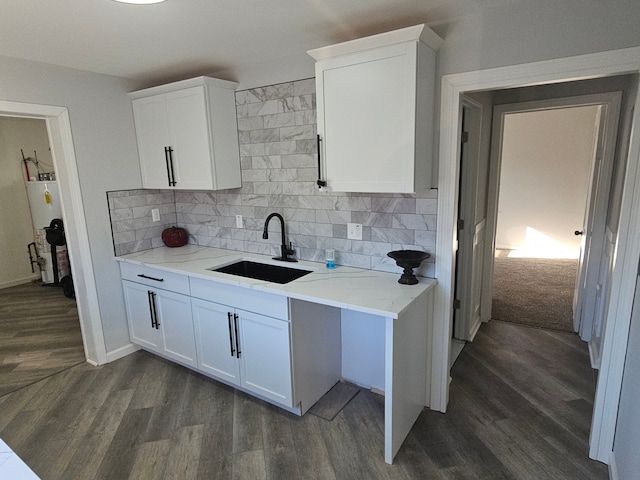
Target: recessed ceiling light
(141, 2)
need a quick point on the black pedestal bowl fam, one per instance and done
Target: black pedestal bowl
(408, 259)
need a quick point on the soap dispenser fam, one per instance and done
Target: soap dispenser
(330, 254)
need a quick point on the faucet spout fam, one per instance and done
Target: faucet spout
(286, 251)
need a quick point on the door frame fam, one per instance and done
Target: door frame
(81, 265)
(611, 102)
(615, 336)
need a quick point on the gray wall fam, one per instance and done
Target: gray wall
(518, 32)
(629, 94)
(627, 441)
(106, 153)
(544, 178)
(627, 84)
(529, 31)
(27, 134)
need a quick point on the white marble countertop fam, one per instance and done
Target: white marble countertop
(369, 291)
(11, 465)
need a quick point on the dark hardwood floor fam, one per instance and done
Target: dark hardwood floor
(39, 335)
(520, 408)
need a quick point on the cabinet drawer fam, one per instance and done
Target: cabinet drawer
(154, 277)
(276, 306)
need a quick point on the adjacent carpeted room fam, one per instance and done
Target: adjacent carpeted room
(536, 292)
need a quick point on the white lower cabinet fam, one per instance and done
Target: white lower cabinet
(245, 349)
(142, 327)
(282, 350)
(159, 312)
(265, 361)
(216, 354)
(160, 321)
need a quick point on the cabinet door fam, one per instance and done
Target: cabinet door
(152, 133)
(141, 328)
(176, 325)
(190, 140)
(366, 118)
(216, 340)
(265, 357)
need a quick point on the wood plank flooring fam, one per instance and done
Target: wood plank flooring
(39, 335)
(520, 408)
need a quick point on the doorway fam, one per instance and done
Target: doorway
(544, 157)
(29, 201)
(39, 325)
(623, 265)
(592, 181)
(547, 155)
(544, 177)
(63, 153)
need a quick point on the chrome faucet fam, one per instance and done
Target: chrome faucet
(286, 251)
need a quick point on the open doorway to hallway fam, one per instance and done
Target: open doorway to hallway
(546, 165)
(545, 185)
(624, 225)
(39, 324)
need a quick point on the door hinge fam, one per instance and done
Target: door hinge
(456, 304)
(460, 224)
(465, 137)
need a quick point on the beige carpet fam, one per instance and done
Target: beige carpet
(535, 292)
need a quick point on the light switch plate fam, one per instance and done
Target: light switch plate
(239, 221)
(155, 214)
(354, 231)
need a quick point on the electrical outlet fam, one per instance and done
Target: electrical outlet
(354, 231)
(155, 214)
(239, 221)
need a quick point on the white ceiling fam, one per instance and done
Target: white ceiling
(182, 38)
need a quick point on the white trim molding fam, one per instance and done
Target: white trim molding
(121, 352)
(627, 252)
(64, 159)
(613, 468)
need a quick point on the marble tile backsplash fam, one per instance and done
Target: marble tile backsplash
(277, 136)
(131, 225)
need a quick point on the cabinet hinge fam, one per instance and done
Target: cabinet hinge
(456, 304)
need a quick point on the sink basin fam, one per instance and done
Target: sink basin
(262, 271)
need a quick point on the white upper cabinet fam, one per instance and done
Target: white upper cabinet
(375, 101)
(187, 135)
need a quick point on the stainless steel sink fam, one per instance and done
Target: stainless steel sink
(262, 271)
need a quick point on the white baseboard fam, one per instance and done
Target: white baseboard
(455, 351)
(594, 355)
(20, 281)
(474, 329)
(122, 352)
(613, 468)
